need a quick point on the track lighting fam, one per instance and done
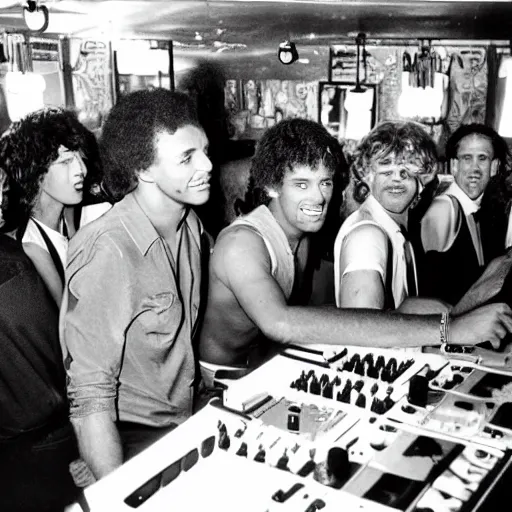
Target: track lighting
(287, 53)
(36, 16)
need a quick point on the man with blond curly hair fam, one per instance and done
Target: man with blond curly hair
(374, 260)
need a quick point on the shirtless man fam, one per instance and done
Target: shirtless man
(258, 261)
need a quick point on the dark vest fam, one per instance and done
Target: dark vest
(448, 275)
(32, 377)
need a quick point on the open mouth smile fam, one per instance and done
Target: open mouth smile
(200, 183)
(312, 211)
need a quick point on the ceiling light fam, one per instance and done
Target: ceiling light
(287, 53)
(36, 16)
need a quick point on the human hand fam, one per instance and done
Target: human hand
(488, 323)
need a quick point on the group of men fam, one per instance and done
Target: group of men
(142, 307)
(393, 247)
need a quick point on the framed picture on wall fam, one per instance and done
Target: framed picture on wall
(347, 112)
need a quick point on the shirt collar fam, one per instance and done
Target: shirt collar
(469, 205)
(381, 216)
(136, 223)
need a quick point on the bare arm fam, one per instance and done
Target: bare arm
(423, 306)
(99, 442)
(362, 289)
(46, 269)
(247, 274)
(362, 266)
(439, 225)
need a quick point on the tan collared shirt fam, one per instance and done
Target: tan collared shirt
(128, 315)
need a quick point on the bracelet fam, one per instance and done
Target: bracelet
(446, 347)
(443, 330)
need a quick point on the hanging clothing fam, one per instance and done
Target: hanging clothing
(468, 88)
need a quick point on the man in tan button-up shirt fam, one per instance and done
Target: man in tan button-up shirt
(133, 280)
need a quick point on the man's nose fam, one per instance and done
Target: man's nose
(80, 167)
(317, 195)
(205, 164)
(476, 165)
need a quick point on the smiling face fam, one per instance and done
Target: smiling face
(64, 181)
(474, 165)
(300, 205)
(393, 182)
(182, 169)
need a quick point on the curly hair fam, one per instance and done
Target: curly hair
(405, 139)
(127, 142)
(287, 144)
(30, 146)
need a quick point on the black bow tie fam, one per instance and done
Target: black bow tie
(477, 215)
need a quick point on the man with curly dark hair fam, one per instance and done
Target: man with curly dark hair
(465, 226)
(37, 442)
(43, 155)
(132, 299)
(374, 262)
(257, 266)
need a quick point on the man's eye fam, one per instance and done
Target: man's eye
(327, 183)
(302, 186)
(186, 160)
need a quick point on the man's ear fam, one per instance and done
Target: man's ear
(272, 192)
(454, 166)
(145, 176)
(494, 167)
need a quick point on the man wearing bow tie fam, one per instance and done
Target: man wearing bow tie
(451, 230)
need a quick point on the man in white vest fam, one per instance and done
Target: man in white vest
(374, 260)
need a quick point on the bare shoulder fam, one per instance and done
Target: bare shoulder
(369, 229)
(440, 224)
(241, 243)
(441, 208)
(367, 235)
